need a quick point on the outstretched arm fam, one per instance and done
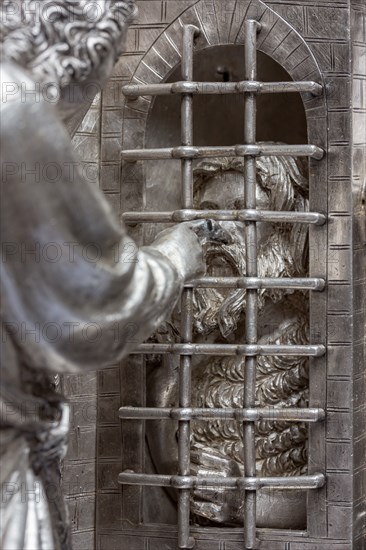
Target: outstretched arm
(77, 291)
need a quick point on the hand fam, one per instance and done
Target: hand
(216, 503)
(183, 243)
(210, 231)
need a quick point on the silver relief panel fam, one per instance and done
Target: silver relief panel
(218, 363)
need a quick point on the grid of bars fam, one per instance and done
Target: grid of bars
(249, 414)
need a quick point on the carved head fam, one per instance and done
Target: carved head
(281, 183)
(68, 47)
(64, 41)
(219, 184)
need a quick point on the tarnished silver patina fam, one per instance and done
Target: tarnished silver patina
(243, 414)
(248, 362)
(63, 312)
(219, 317)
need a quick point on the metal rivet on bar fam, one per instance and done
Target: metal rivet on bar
(249, 151)
(310, 350)
(196, 152)
(185, 540)
(133, 91)
(261, 283)
(249, 215)
(306, 482)
(187, 214)
(181, 414)
(185, 152)
(248, 414)
(182, 482)
(287, 414)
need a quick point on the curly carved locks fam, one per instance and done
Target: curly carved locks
(284, 179)
(63, 41)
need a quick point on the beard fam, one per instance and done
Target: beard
(223, 308)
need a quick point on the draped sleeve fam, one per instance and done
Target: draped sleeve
(76, 291)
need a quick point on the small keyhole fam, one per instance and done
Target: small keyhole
(225, 73)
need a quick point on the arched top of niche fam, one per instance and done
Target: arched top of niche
(222, 23)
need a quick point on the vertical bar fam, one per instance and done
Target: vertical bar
(251, 28)
(184, 538)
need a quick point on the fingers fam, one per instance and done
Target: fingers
(208, 510)
(205, 459)
(211, 494)
(219, 504)
(210, 231)
(228, 510)
(213, 463)
(183, 248)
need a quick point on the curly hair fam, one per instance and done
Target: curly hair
(283, 178)
(286, 183)
(63, 41)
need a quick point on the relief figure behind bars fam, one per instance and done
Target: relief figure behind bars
(218, 382)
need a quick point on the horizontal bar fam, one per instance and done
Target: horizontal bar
(188, 215)
(232, 349)
(133, 91)
(313, 481)
(303, 283)
(241, 415)
(195, 152)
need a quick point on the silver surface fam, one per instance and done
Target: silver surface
(224, 215)
(133, 91)
(319, 41)
(189, 413)
(305, 283)
(114, 294)
(184, 538)
(251, 349)
(251, 264)
(250, 484)
(233, 349)
(190, 152)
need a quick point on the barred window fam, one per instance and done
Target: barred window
(241, 406)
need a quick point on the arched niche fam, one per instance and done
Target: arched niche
(282, 55)
(218, 119)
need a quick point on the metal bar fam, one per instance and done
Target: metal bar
(248, 215)
(309, 350)
(133, 91)
(248, 415)
(311, 283)
(184, 539)
(184, 447)
(240, 415)
(196, 152)
(314, 481)
(251, 313)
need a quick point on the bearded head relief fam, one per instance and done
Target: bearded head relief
(281, 185)
(219, 316)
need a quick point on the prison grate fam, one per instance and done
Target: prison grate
(249, 414)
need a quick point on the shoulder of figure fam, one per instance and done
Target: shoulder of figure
(27, 115)
(21, 94)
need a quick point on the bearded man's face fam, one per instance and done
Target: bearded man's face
(221, 308)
